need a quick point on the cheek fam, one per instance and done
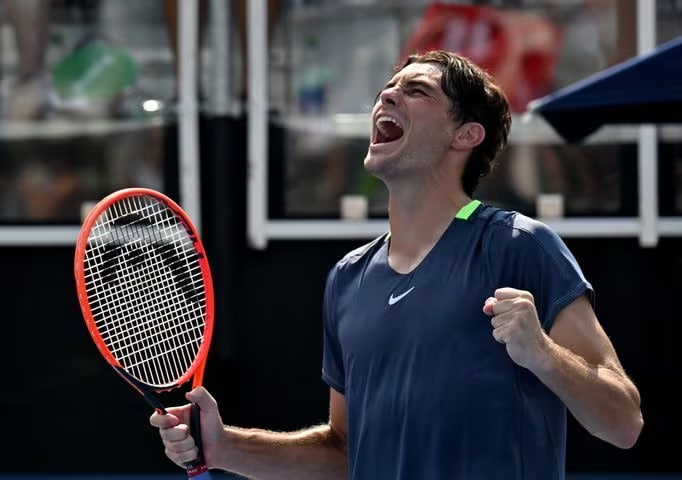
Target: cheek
(433, 132)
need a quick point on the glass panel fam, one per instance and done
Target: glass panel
(592, 180)
(672, 152)
(670, 170)
(329, 59)
(53, 180)
(668, 20)
(87, 91)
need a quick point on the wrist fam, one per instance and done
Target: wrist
(546, 358)
(223, 455)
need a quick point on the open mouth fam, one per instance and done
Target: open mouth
(387, 130)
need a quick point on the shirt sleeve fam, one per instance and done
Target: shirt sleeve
(533, 257)
(333, 372)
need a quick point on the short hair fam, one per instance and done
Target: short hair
(475, 97)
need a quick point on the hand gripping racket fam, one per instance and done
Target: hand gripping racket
(145, 290)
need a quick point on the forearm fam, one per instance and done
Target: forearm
(600, 397)
(316, 453)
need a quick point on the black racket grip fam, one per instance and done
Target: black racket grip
(195, 431)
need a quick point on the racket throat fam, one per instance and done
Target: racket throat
(154, 402)
(149, 396)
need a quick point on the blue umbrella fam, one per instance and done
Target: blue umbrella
(644, 89)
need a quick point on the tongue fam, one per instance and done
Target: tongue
(389, 132)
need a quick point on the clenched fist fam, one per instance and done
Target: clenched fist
(515, 324)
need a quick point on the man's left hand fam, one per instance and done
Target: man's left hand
(516, 325)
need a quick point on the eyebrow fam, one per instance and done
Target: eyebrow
(410, 83)
(413, 83)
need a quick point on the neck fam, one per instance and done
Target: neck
(418, 217)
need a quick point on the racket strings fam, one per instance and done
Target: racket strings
(143, 304)
(128, 339)
(145, 287)
(152, 347)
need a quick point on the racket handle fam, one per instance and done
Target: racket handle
(195, 430)
(196, 469)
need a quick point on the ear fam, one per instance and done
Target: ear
(468, 136)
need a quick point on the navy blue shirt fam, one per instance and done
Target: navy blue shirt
(429, 392)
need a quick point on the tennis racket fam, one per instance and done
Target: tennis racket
(145, 290)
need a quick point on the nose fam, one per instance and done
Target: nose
(389, 96)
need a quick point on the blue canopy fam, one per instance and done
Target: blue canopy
(644, 89)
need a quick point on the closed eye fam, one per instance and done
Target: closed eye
(412, 87)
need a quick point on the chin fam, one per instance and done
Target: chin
(385, 169)
(375, 164)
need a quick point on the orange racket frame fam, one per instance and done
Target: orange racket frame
(196, 370)
(197, 468)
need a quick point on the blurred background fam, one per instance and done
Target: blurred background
(254, 115)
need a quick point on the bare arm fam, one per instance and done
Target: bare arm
(316, 453)
(584, 371)
(311, 454)
(576, 361)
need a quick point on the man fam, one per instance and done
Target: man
(454, 344)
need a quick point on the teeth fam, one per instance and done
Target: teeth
(386, 118)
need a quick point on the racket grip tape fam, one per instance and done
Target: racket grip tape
(197, 469)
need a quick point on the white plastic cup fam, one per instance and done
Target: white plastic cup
(550, 205)
(354, 207)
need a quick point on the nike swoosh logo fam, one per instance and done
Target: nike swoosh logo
(393, 300)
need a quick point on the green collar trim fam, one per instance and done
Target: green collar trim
(466, 211)
(463, 214)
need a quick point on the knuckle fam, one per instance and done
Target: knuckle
(180, 456)
(187, 456)
(525, 303)
(181, 433)
(181, 446)
(173, 434)
(171, 455)
(171, 447)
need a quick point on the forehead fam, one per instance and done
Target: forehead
(428, 72)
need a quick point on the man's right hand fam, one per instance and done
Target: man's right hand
(175, 433)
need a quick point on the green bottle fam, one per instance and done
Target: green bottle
(93, 75)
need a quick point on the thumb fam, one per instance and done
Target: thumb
(203, 399)
(488, 306)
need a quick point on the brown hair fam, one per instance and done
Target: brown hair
(475, 97)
